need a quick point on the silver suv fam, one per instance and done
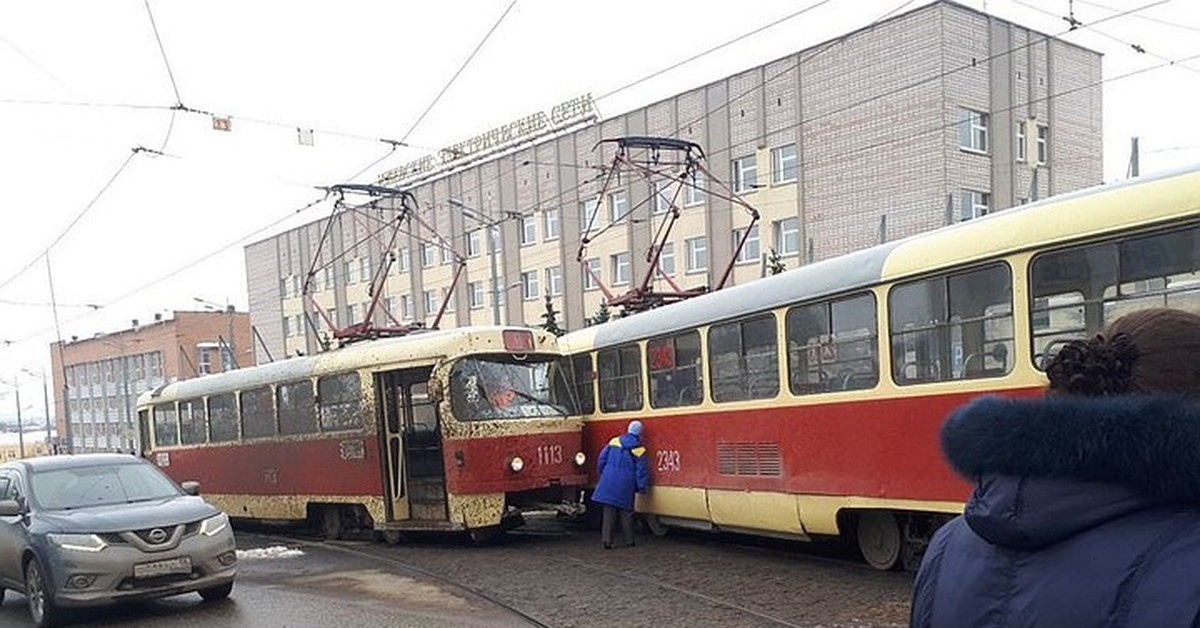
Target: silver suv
(94, 529)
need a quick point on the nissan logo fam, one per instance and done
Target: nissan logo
(157, 535)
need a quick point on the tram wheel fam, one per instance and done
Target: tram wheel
(331, 523)
(392, 537)
(655, 525)
(483, 536)
(879, 539)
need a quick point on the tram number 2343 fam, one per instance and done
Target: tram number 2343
(667, 460)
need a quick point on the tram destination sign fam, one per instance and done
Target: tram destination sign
(563, 115)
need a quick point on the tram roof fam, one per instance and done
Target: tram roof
(1063, 217)
(420, 345)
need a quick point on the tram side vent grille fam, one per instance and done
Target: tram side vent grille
(760, 459)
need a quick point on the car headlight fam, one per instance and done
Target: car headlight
(580, 458)
(78, 542)
(214, 525)
(516, 464)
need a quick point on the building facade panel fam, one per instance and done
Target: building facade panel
(894, 129)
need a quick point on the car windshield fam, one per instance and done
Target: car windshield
(504, 387)
(99, 485)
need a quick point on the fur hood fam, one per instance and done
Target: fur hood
(1147, 444)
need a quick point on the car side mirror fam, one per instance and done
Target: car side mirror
(191, 487)
(11, 508)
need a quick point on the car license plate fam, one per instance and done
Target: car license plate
(163, 568)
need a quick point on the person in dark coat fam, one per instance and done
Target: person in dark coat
(1086, 507)
(624, 469)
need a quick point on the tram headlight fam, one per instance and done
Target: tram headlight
(516, 464)
(580, 458)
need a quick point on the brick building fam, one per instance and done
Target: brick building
(106, 373)
(940, 114)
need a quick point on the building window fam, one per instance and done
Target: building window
(1043, 144)
(204, 362)
(751, 250)
(787, 236)
(448, 299)
(666, 260)
(529, 285)
(591, 274)
(973, 130)
(475, 290)
(554, 280)
(353, 312)
(783, 164)
(288, 332)
(475, 243)
(364, 268)
(663, 194)
(498, 291)
(331, 318)
(389, 305)
(427, 255)
(974, 204)
(351, 270)
(406, 307)
(551, 218)
(618, 206)
(697, 254)
(431, 302)
(694, 190)
(447, 256)
(587, 214)
(1021, 145)
(528, 230)
(620, 269)
(402, 260)
(745, 174)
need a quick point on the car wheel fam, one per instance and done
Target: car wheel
(1, 596)
(213, 594)
(37, 593)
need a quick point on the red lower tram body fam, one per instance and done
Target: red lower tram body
(802, 471)
(352, 481)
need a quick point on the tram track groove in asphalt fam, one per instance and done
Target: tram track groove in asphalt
(345, 548)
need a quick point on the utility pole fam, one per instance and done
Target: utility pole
(45, 401)
(491, 227)
(1133, 157)
(67, 439)
(20, 424)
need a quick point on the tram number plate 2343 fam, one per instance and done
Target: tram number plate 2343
(666, 460)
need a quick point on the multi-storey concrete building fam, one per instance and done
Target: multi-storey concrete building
(105, 374)
(937, 115)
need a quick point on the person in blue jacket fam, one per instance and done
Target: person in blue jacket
(624, 470)
(1086, 507)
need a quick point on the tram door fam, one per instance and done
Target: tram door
(413, 447)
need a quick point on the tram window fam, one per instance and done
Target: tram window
(193, 428)
(831, 346)
(297, 408)
(743, 359)
(1075, 292)
(222, 418)
(674, 367)
(258, 413)
(166, 425)
(340, 400)
(424, 412)
(585, 382)
(620, 377)
(952, 327)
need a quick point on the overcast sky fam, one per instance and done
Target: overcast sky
(83, 83)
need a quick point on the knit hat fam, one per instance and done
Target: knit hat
(635, 428)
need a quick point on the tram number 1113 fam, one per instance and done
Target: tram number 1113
(550, 454)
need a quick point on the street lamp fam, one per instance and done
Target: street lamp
(45, 400)
(20, 424)
(491, 226)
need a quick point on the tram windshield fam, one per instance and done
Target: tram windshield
(510, 387)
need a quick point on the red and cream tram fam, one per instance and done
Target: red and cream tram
(808, 403)
(461, 429)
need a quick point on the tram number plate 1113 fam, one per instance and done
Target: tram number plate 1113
(550, 454)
